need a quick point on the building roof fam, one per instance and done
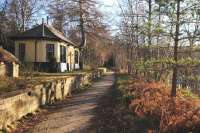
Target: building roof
(43, 31)
(6, 56)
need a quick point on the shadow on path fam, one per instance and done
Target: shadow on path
(113, 116)
(75, 114)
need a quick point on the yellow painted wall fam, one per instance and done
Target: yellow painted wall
(29, 52)
(70, 57)
(41, 50)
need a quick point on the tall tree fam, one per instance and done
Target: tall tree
(176, 43)
(149, 28)
(21, 12)
(80, 16)
(57, 10)
(4, 23)
(177, 18)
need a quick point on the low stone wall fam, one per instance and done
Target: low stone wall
(15, 70)
(15, 106)
(103, 69)
(2, 69)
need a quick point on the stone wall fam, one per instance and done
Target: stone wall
(18, 104)
(103, 69)
(15, 70)
(2, 69)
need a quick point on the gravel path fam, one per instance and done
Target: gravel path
(75, 114)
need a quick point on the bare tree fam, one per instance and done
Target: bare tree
(176, 24)
(57, 10)
(81, 20)
(22, 11)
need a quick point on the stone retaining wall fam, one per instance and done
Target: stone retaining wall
(2, 69)
(14, 107)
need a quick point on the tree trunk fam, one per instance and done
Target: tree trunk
(149, 27)
(175, 71)
(83, 38)
(158, 36)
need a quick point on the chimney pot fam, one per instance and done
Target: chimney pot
(47, 20)
(42, 20)
(43, 27)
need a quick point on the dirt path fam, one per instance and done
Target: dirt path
(112, 115)
(75, 114)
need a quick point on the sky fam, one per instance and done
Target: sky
(111, 12)
(109, 9)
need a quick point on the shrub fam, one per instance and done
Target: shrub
(174, 115)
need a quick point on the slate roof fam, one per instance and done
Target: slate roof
(6, 56)
(43, 31)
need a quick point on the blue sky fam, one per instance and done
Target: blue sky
(108, 7)
(111, 12)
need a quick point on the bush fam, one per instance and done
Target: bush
(174, 115)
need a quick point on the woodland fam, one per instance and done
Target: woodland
(154, 39)
(156, 42)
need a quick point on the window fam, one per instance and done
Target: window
(22, 51)
(76, 57)
(49, 51)
(62, 54)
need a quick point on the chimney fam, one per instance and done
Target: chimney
(47, 20)
(43, 27)
(42, 20)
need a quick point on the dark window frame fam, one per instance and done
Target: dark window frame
(50, 51)
(22, 51)
(63, 54)
(76, 56)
